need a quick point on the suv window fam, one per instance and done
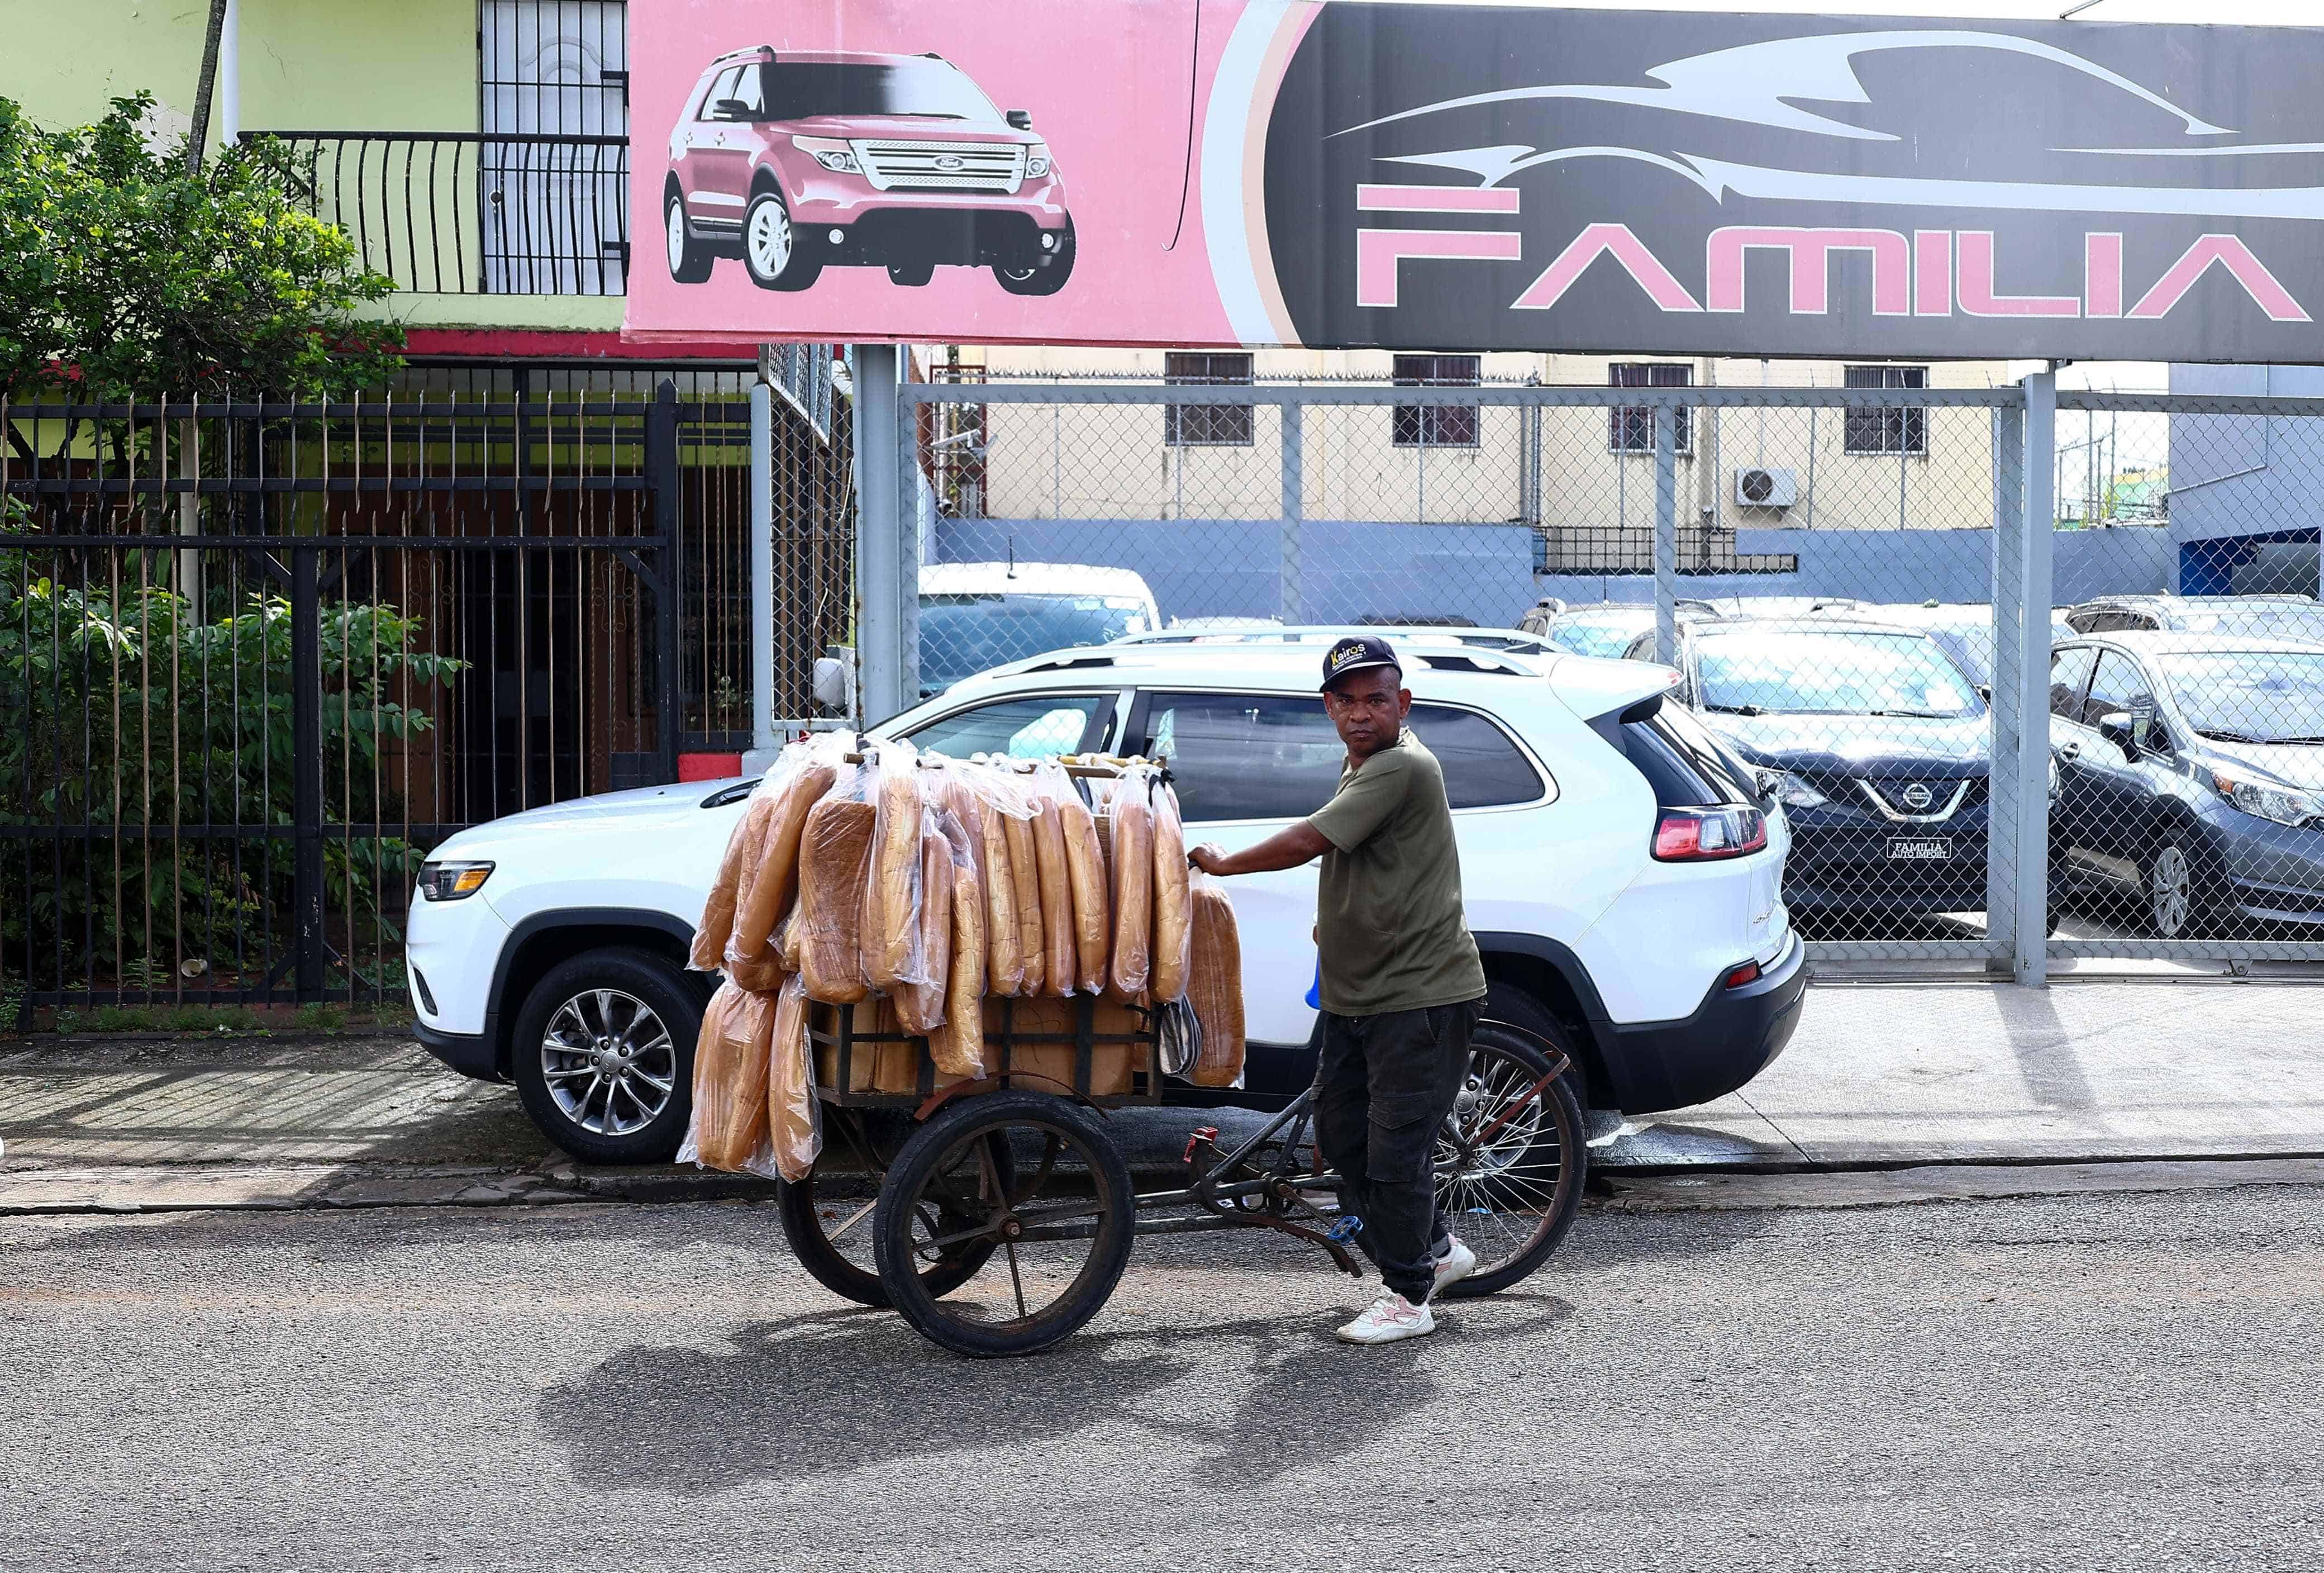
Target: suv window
(721, 89)
(1681, 759)
(1033, 727)
(2070, 675)
(1277, 756)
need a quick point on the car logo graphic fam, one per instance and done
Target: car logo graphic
(1919, 796)
(950, 160)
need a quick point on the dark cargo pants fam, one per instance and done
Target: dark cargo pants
(1383, 1086)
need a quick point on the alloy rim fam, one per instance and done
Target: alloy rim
(2173, 892)
(609, 1062)
(770, 237)
(676, 236)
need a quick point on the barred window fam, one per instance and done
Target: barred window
(1206, 425)
(1630, 428)
(1889, 430)
(1436, 425)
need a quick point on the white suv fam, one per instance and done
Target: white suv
(1622, 872)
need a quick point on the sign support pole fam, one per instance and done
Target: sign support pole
(2009, 718)
(762, 568)
(2035, 541)
(880, 529)
(1666, 534)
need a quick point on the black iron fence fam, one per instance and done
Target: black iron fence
(257, 660)
(465, 212)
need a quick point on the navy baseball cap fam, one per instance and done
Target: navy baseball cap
(1356, 653)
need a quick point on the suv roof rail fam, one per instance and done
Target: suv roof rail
(1436, 662)
(736, 54)
(1076, 664)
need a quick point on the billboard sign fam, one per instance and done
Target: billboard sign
(1432, 177)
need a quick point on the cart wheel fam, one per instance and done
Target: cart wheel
(1058, 1225)
(831, 1234)
(1510, 1165)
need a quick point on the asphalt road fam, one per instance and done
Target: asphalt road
(2120, 1381)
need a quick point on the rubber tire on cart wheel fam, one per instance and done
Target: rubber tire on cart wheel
(911, 274)
(908, 1291)
(643, 976)
(800, 266)
(2182, 861)
(689, 259)
(1038, 280)
(1565, 1112)
(795, 1204)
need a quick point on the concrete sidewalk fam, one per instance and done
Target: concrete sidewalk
(1880, 1076)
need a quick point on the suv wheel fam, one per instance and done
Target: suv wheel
(1032, 278)
(603, 1056)
(1508, 1003)
(776, 254)
(689, 259)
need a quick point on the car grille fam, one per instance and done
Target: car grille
(1922, 799)
(942, 166)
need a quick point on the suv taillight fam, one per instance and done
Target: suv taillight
(1706, 835)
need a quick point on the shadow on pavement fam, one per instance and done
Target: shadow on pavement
(837, 1392)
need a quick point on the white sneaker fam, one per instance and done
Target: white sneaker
(1390, 1318)
(1457, 1262)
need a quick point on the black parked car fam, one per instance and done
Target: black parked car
(1878, 747)
(2191, 770)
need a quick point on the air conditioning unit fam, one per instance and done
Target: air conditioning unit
(1765, 489)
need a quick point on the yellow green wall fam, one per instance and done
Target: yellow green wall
(65, 62)
(358, 65)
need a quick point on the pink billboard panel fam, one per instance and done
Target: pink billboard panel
(1213, 173)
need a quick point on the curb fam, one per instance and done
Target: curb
(1825, 1189)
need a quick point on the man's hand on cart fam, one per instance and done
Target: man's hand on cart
(1286, 849)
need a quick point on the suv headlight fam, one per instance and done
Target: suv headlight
(1795, 792)
(1037, 160)
(2264, 800)
(833, 154)
(452, 882)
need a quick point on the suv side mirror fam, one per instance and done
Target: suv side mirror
(732, 109)
(1022, 119)
(2116, 728)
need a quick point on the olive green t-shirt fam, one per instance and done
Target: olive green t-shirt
(1388, 909)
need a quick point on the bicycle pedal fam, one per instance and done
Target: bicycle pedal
(1203, 1134)
(1347, 1228)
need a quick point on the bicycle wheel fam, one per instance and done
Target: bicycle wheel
(1511, 1161)
(1057, 1226)
(829, 1226)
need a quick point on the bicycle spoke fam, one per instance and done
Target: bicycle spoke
(1016, 1283)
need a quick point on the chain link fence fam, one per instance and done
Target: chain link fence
(1837, 574)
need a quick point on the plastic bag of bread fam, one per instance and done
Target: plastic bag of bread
(984, 799)
(920, 1006)
(794, 1115)
(835, 861)
(1168, 977)
(1214, 982)
(1131, 842)
(708, 952)
(728, 1130)
(893, 955)
(1025, 876)
(1060, 948)
(767, 894)
(787, 940)
(958, 1045)
(1085, 873)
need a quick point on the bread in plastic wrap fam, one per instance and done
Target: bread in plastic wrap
(891, 931)
(1133, 874)
(958, 1046)
(835, 860)
(921, 1006)
(708, 953)
(729, 1124)
(1167, 979)
(769, 895)
(794, 1115)
(986, 824)
(763, 975)
(787, 940)
(1215, 983)
(1092, 906)
(1061, 957)
(1025, 873)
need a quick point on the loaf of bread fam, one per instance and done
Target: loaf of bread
(835, 860)
(770, 894)
(1133, 891)
(1169, 978)
(1215, 983)
(891, 914)
(1025, 872)
(708, 953)
(762, 974)
(787, 940)
(1005, 971)
(729, 1079)
(1061, 955)
(958, 1046)
(794, 1117)
(921, 1006)
(1092, 908)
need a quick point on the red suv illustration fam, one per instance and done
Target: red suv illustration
(802, 160)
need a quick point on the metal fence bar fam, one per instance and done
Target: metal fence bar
(1293, 503)
(2009, 689)
(1665, 419)
(2036, 548)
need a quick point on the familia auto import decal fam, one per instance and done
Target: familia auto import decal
(1283, 171)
